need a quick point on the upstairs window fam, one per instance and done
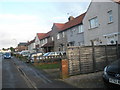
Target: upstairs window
(71, 32)
(52, 38)
(63, 34)
(93, 22)
(46, 40)
(110, 16)
(58, 36)
(80, 29)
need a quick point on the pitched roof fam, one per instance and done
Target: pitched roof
(50, 44)
(47, 34)
(59, 25)
(74, 22)
(32, 41)
(22, 44)
(40, 35)
(117, 1)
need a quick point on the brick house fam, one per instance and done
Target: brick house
(22, 46)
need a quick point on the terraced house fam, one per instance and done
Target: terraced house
(102, 23)
(31, 46)
(47, 42)
(38, 44)
(70, 33)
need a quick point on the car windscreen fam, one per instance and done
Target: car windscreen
(7, 54)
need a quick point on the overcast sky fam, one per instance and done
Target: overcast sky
(21, 20)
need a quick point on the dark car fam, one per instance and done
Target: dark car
(7, 55)
(111, 75)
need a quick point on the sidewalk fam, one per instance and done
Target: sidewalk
(92, 80)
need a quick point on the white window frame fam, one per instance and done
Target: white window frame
(80, 29)
(110, 16)
(63, 34)
(52, 38)
(58, 36)
(93, 22)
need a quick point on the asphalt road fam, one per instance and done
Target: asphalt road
(11, 77)
(18, 74)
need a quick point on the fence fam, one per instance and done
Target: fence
(88, 59)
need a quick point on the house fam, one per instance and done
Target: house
(101, 23)
(31, 46)
(22, 46)
(47, 42)
(55, 36)
(70, 33)
(38, 44)
(74, 31)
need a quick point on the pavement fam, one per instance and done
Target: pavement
(18, 74)
(91, 80)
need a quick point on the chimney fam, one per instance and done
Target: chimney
(70, 18)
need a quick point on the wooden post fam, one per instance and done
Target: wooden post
(106, 54)
(93, 56)
(117, 51)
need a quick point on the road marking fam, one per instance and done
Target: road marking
(28, 81)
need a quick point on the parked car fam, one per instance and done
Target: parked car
(32, 55)
(7, 55)
(25, 53)
(61, 53)
(111, 75)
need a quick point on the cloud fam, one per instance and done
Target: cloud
(19, 27)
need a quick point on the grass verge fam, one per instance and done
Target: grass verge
(48, 66)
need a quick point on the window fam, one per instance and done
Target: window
(63, 34)
(93, 22)
(80, 29)
(71, 32)
(58, 36)
(52, 38)
(110, 16)
(46, 40)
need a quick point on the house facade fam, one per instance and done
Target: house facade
(75, 31)
(101, 23)
(70, 33)
(47, 42)
(31, 46)
(56, 37)
(38, 44)
(22, 46)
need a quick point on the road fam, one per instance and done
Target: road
(18, 74)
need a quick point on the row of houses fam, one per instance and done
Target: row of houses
(100, 24)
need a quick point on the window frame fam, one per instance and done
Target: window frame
(110, 16)
(93, 22)
(80, 29)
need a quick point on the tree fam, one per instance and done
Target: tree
(12, 49)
